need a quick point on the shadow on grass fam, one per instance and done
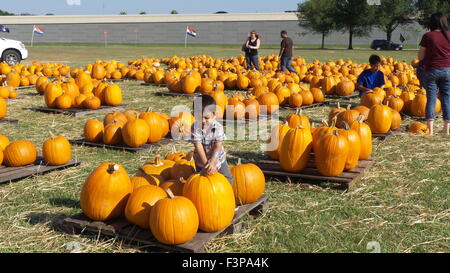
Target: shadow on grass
(53, 220)
(65, 202)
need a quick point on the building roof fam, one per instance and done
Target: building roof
(147, 18)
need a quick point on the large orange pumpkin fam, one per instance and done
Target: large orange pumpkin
(295, 149)
(249, 183)
(57, 151)
(19, 153)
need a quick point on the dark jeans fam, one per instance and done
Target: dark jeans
(224, 170)
(286, 63)
(251, 59)
(434, 80)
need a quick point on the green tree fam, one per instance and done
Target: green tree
(174, 12)
(5, 13)
(392, 14)
(355, 17)
(428, 7)
(123, 13)
(317, 17)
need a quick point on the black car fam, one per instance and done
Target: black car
(385, 45)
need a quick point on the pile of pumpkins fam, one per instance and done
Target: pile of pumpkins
(133, 128)
(168, 196)
(23, 75)
(81, 92)
(8, 92)
(56, 151)
(335, 149)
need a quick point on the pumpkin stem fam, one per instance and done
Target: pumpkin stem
(112, 168)
(170, 193)
(158, 161)
(346, 126)
(148, 109)
(51, 134)
(239, 161)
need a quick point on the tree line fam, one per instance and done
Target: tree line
(358, 17)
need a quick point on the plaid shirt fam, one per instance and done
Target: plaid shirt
(208, 137)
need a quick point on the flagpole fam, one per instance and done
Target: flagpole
(32, 37)
(185, 39)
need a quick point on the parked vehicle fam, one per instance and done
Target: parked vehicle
(385, 45)
(12, 51)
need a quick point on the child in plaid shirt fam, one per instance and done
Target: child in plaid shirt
(207, 135)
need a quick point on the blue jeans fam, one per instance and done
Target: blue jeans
(434, 80)
(252, 59)
(286, 63)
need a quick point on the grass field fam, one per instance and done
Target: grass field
(402, 203)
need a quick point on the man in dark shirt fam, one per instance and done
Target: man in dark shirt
(286, 50)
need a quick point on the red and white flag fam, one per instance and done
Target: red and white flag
(192, 32)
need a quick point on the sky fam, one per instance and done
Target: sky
(82, 7)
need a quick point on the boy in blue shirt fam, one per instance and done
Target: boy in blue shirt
(371, 78)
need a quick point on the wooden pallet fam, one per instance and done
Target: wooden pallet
(318, 104)
(310, 174)
(9, 121)
(79, 112)
(153, 84)
(8, 174)
(383, 136)
(132, 234)
(143, 149)
(351, 96)
(25, 87)
(173, 94)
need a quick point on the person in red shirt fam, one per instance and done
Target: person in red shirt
(435, 51)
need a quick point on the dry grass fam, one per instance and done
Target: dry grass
(402, 203)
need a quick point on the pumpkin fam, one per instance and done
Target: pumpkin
(182, 169)
(418, 105)
(345, 88)
(269, 103)
(174, 220)
(334, 112)
(297, 119)
(154, 121)
(348, 116)
(3, 108)
(331, 154)
(52, 91)
(251, 108)
(321, 131)
(115, 117)
(395, 102)
(105, 192)
(93, 131)
(139, 181)
(4, 141)
(396, 120)
(98, 71)
(213, 198)
(92, 103)
(176, 186)
(380, 119)
(135, 133)
(276, 139)
(419, 128)
(354, 142)
(363, 110)
(296, 100)
(19, 153)
(235, 109)
(157, 167)
(112, 134)
(308, 97)
(249, 183)
(189, 84)
(295, 149)
(140, 203)
(370, 99)
(113, 95)
(63, 102)
(366, 137)
(317, 95)
(57, 151)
